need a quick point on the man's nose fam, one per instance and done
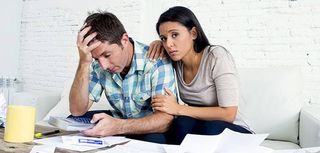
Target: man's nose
(104, 64)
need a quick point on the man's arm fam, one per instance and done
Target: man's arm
(79, 102)
(158, 122)
(79, 94)
(155, 123)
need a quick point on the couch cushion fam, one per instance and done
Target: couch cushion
(271, 99)
(61, 109)
(279, 145)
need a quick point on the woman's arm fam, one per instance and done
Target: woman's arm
(168, 104)
(227, 114)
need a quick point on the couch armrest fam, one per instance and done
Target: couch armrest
(310, 126)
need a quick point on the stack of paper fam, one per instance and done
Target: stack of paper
(226, 142)
(136, 146)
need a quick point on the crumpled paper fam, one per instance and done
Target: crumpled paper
(3, 110)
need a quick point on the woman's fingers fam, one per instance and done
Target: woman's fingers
(154, 50)
(150, 50)
(168, 91)
(157, 104)
(162, 51)
(157, 52)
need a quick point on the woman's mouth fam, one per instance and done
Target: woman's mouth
(173, 53)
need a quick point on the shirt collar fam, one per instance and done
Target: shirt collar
(139, 51)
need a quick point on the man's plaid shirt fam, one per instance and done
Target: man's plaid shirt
(130, 97)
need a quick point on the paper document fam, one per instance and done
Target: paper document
(136, 146)
(57, 142)
(226, 142)
(43, 149)
(172, 148)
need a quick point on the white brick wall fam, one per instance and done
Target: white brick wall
(257, 33)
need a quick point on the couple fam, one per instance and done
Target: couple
(142, 92)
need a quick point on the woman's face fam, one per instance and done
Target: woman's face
(177, 39)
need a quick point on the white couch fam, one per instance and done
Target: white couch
(271, 101)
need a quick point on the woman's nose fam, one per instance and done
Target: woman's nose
(169, 42)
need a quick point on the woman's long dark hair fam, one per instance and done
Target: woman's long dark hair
(185, 17)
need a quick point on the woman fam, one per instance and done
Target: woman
(206, 77)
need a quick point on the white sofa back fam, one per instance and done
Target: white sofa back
(271, 99)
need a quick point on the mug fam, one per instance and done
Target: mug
(20, 124)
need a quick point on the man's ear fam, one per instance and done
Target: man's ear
(125, 39)
(194, 33)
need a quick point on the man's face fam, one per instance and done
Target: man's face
(111, 57)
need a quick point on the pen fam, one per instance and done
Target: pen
(40, 134)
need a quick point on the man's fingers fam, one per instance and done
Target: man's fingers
(82, 33)
(89, 132)
(94, 45)
(89, 38)
(97, 117)
(96, 131)
(83, 26)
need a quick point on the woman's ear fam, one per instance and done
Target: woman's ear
(194, 33)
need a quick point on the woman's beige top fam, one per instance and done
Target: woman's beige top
(215, 84)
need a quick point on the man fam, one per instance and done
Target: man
(112, 62)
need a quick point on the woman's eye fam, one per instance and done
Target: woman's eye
(174, 35)
(163, 39)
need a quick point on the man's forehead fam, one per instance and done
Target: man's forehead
(104, 47)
